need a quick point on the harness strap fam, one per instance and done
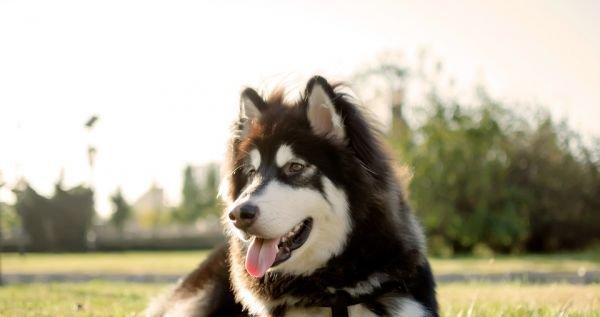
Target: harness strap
(341, 300)
(339, 306)
(339, 311)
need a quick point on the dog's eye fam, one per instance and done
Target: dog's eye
(294, 168)
(251, 172)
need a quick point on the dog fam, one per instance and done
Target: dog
(317, 220)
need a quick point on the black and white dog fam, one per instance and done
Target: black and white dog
(317, 221)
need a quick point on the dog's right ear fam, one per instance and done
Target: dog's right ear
(251, 105)
(322, 114)
(251, 108)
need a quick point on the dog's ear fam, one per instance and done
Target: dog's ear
(251, 108)
(251, 105)
(323, 116)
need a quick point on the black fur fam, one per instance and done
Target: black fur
(384, 239)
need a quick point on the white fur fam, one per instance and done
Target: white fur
(360, 311)
(255, 158)
(331, 224)
(188, 307)
(223, 192)
(282, 207)
(404, 307)
(284, 155)
(160, 304)
(322, 115)
(368, 286)
(170, 305)
(353, 311)
(397, 307)
(254, 305)
(309, 312)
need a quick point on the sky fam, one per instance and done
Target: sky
(164, 76)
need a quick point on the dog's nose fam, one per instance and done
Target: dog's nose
(244, 215)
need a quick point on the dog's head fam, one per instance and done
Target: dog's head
(290, 170)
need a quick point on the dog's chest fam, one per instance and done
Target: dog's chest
(353, 311)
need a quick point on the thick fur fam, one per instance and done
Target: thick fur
(364, 237)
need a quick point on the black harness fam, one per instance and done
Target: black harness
(340, 300)
(339, 307)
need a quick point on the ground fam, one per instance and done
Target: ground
(129, 299)
(179, 262)
(102, 298)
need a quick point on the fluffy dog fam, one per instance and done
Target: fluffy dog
(317, 221)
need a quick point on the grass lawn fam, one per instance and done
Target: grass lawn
(457, 300)
(173, 262)
(514, 299)
(180, 262)
(101, 298)
(76, 299)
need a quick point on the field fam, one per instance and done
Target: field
(128, 299)
(102, 298)
(179, 262)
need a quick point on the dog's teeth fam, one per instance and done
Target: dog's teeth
(290, 235)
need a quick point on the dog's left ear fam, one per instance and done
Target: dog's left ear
(251, 104)
(324, 118)
(251, 108)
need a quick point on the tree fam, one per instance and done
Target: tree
(74, 212)
(189, 209)
(558, 178)
(122, 210)
(210, 189)
(60, 223)
(488, 177)
(199, 193)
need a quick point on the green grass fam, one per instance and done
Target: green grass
(180, 262)
(173, 262)
(457, 300)
(514, 299)
(561, 262)
(81, 299)
(100, 298)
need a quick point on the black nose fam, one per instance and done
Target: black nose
(244, 215)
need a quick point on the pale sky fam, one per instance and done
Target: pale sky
(164, 76)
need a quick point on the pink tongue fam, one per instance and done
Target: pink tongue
(261, 255)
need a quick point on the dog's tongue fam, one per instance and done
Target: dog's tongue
(261, 255)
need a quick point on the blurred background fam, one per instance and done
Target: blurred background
(114, 118)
